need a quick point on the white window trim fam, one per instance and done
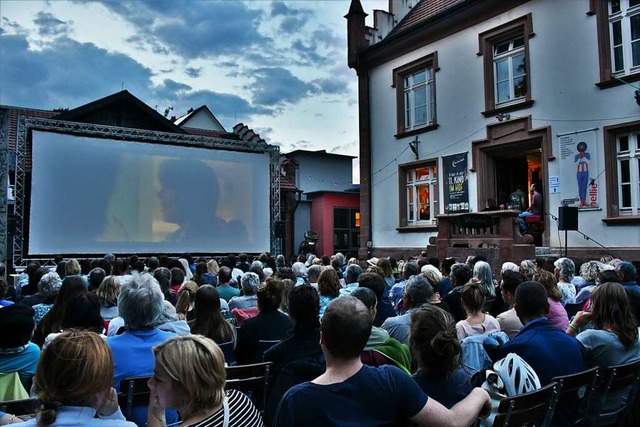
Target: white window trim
(412, 194)
(624, 16)
(508, 55)
(632, 156)
(409, 98)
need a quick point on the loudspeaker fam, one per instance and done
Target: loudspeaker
(279, 229)
(567, 218)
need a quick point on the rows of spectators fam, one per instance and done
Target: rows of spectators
(401, 339)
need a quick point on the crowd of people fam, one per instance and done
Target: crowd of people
(382, 342)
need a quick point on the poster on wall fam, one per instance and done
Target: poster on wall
(456, 183)
(579, 170)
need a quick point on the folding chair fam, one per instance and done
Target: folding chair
(133, 392)
(253, 380)
(575, 393)
(23, 408)
(227, 350)
(616, 381)
(529, 409)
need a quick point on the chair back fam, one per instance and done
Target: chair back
(529, 409)
(264, 345)
(133, 392)
(227, 350)
(616, 380)
(20, 407)
(575, 392)
(253, 380)
(573, 309)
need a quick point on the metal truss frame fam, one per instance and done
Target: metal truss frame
(4, 182)
(25, 124)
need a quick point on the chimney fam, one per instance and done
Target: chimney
(356, 31)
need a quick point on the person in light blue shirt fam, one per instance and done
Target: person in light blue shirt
(140, 304)
(397, 291)
(73, 382)
(351, 275)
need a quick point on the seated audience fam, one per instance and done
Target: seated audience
(108, 295)
(384, 309)
(249, 282)
(163, 276)
(628, 275)
(557, 315)
(313, 273)
(397, 290)
(436, 352)
(528, 268)
(378, 335)
(140, 304)
(350, 393)
(270, 324)
(177, 278)
(73, 383)
(52, 321)
(303, 340)
(614, 337)
(508, 320)
(300, 271)
(48, 289)
(549, 351)
(83, 313)
(351, 274)
(476, 322)
(225, 290)
(417, 291)
(434, 277)
(208, 320)
(17, 354)
(460, 275)
(564, 271)
(189, 375)
(186, 298)
(328, 287)
(387, 271)
(95, 278)
(30, 291)
(168, 321)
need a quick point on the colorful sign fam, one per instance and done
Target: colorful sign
(579, 170)
(456, 183)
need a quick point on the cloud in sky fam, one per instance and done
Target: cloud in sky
(250, 61)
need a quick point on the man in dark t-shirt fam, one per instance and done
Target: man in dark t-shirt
(349, 393)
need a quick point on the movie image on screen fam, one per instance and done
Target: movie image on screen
(96, 195)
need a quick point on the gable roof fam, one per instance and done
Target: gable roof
(184, 120)
(424, 10)
(118, 101)
(316, 153)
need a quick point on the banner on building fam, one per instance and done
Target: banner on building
(456, 183)
(579, 170)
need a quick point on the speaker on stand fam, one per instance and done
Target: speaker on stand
(567, 220)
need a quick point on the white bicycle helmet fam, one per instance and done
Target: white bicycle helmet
(518, 377)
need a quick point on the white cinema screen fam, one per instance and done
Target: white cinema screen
(95, 195)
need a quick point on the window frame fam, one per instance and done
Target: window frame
(600, 8)
(612, 170)
(403, 202)
(520, 27)
(429, 61)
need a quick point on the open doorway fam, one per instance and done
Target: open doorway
(517, 171)
(514, 155)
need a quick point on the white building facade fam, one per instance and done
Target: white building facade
(464, 101)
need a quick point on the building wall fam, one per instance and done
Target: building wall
(323, 172)
(322, 217)
(564, 68)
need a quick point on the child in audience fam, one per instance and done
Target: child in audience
(477, 322)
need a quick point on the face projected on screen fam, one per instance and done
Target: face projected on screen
(196, 216)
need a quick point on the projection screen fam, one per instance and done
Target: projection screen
(96, 195)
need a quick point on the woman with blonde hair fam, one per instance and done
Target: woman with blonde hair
(482, 272)
(186, 299)
(189, 375)
(74, 381)
(557, 314)
(107, 293)
(72, 268)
